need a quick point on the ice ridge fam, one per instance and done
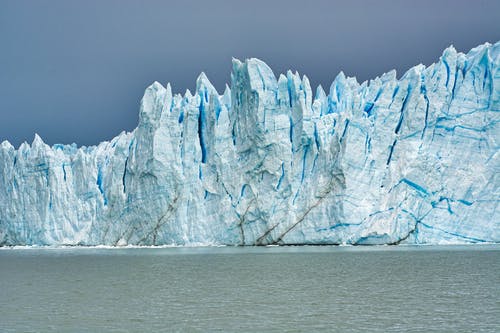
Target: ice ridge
(411, 160)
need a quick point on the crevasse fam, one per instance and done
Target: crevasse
(389, 161)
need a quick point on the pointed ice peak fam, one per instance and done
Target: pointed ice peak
(449, 57)
(319, 104)
(156, 98)
(204, 84)
(483, 55)
(389, 76)
(478, 50)
(338, 85)
(294, 80)
(202, 78)
(320, 93)
(177, 99)
(123, 135)
(340, 77)
(305, 83)
(156, 91)
(260, 75)
(419, 68)
(283, 91)
(306, 86)
(226, 97)
(23, 147)
(37, 141)
(450, 50)
(414, 73)
(6, 145)
(236, 62)
(282, 83)
(256, 62)
(294, 87)
(155, 87)
(188, 94)
(352, 81)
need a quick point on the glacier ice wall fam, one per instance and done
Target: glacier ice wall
(389, 161)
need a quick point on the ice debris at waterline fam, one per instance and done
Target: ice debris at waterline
(390, 161)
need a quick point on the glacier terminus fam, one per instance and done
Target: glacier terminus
(413, 160)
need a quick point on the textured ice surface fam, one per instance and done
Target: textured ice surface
(389, 161)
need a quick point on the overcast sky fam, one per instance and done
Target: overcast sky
(75, 71)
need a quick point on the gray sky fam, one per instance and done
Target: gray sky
(75, 71)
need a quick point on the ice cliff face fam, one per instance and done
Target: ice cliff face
(391, 161)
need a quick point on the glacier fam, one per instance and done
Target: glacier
(390, 161)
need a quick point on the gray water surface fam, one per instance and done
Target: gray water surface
(274, 289)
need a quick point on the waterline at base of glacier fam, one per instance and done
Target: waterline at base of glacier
(210, 247)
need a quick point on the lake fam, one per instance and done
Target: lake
(251, 289)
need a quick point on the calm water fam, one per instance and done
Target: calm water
(285, 289)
